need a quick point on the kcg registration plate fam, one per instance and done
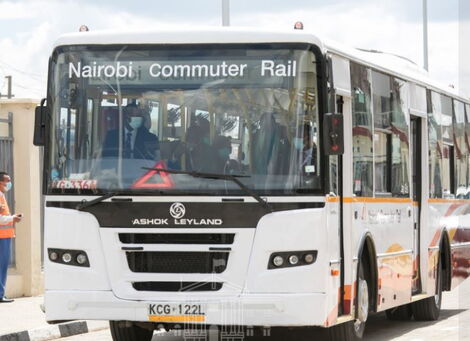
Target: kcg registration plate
(177, 312)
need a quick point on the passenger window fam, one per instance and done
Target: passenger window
(435, 142)
(461, 151)
(418, 102)
(400, 138)
(333, 159)
(441, 147)
(448, 150)
(467, 144)
(382, 101)
(362, 131)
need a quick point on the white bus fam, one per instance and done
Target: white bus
(235, 177)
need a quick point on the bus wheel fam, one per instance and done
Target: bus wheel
(354, 330)
(401, 313)
(130, 331)
(430, 308)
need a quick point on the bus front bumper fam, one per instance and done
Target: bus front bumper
(244, 309)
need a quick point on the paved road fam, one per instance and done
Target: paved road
(454, 325)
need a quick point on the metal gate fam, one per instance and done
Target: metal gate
(6, 163)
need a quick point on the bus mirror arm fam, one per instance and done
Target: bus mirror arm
(333, 134)
(40, 124)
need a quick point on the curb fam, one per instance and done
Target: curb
(55, 331)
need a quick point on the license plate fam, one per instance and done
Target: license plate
(177, 312)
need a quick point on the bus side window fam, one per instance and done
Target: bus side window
(333, 159)
(382, 105)
(362, 130)
(460, 151)
(400, 185)
(435, 145)
(448, 148)
(467, 144)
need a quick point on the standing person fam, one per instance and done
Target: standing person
(7, 232)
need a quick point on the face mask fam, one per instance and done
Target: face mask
(8, 186)
(298, 143)
(136, 122)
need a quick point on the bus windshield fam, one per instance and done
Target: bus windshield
(119, 111)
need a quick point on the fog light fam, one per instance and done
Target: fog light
(278, 261)
(53, 256)
(293, 260)
(67, 257)
(309, 258)
(81, 259)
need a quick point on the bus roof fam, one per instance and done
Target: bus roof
(193, 36)
(392, 64)
(388, 63)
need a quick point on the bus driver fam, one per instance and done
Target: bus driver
(138, 141)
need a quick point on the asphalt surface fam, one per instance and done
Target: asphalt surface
(453, 325)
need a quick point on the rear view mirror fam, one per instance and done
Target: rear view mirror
(40, 124)
(333, 134)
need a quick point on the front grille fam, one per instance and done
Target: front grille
(177, 286)
(176, 238)
(177, 262)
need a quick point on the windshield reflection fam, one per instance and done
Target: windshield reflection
(107, 133)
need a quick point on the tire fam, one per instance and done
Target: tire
(430, 308)
(130, 331)
(354, 330)
(401, 313)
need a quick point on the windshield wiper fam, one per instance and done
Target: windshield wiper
(84, 204)
(215, 176)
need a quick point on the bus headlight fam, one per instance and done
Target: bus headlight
(309, 258)
(293, 260)
(278, 261)
(66, 257)
(69, 257)
(53, 256)
(81, 258)
(290, 259)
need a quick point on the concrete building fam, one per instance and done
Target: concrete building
(22, 159)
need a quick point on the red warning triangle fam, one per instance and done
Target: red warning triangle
(166, 181)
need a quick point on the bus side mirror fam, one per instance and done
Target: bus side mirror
(333, 134)
(40, 124)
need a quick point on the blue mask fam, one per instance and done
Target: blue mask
(136, 122)
(8, 186)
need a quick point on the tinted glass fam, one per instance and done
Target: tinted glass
(447, 113)
(381, 95)
(400, 139)
(460, 154)
(418, 98)
(467, 144)
(362, 131)
(435, 146)
(243, 111)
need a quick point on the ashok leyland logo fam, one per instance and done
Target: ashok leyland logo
(177, 210)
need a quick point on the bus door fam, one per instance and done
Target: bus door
(416, 173)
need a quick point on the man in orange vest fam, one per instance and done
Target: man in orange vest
(7, 232)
